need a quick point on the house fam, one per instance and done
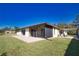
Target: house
(9, 32)
(63, 32)
(43, 30)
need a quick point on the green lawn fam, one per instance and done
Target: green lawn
(15, 47)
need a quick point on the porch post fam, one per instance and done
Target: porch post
(36, 33)
(27, 32)
(53, 32)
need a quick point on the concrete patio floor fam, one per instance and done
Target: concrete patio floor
(71, 37)
(29, 39)
(35, 39)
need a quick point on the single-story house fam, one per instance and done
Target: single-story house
(63, 32)
(43, 30)
(9, 31)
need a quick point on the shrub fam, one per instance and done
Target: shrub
(1, 33)
(72, 32)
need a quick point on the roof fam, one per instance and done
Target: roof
(42, 24)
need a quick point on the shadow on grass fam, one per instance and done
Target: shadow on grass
(4, 54)
(48, 39)
(73, 48)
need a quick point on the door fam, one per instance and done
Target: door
(23, 31)
(33, 33)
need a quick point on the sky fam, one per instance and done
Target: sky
(26, 14)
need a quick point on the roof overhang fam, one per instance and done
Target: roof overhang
(45, 24)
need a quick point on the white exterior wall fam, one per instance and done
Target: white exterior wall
(27, 33)
(65, 33)
(55, 32)
(48, 32)
(19, 33)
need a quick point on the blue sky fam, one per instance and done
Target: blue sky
(28, 14)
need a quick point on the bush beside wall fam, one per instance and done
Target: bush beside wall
(72, 32)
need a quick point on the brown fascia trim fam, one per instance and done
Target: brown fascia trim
(53, 26)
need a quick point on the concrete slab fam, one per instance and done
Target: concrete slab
(29, 39)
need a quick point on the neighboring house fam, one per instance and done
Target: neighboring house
(63, 32)
(40, 30)
(9, 32)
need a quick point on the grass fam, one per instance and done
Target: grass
(14, 47)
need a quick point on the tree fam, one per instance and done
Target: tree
(6, 28)
(76, 21)
(1, 31)
(16, 29)
(62, 25)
